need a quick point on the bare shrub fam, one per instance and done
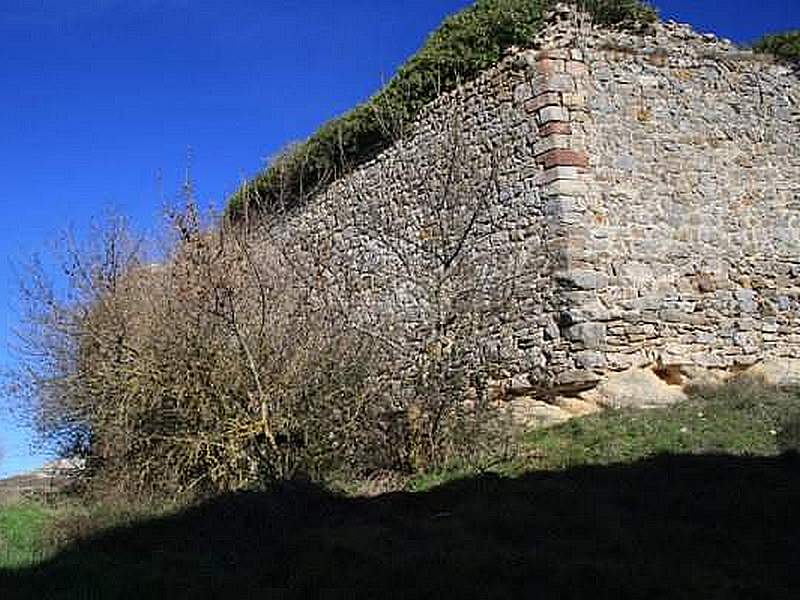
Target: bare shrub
(57, 331)
(209, 372)
(248, 355)
(442, 279)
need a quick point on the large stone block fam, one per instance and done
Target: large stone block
(591, 336)
(583, 279)
(783, 372)
(636, 388)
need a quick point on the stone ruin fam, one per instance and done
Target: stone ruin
(649, 191)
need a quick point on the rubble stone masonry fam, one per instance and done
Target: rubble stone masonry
(636, 204)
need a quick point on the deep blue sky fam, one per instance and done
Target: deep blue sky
(99, 96)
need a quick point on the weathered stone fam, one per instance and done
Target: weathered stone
(747, 300)
(583, 279)
(777, 371)
(539, 102)
(556, 174)
(565, 187)
(551, 330)
(700, 376)
(748, 341)
(562, 157)
(555, 128)
(550, 65)
(639, 388)
(635, 274)
(528, 413)
(677, 354)
(654, 223)
(575, 68)
(592, 310)
(576, 380)
(553, 114)
(590, 335)
(621, 361)
(590, 359)
(520, 385)
(550, 143)
(576, 406)
(558, 82)
(675, 315)
(710, 360)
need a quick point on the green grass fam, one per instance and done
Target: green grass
(463, 46)
(21, 529)
(737, 419)
(31, 532)
(600, 507)
(684, 527)
(743, 419)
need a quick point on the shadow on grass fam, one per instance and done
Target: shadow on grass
(669, 527)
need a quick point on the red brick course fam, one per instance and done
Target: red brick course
(555, 128)
(563, 158)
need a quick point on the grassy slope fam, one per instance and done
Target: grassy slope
(465, 44)
(688, 502)
(742, 419)
(21, 528)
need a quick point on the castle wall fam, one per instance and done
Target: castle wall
(694, 202)
(442, 240)
(609, 202)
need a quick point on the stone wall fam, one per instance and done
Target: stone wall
(443, 238)
(687, 237)
(608, 202)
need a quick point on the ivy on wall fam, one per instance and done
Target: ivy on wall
(463, 46)
(782, 45)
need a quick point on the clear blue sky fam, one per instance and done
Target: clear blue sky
(99, 96)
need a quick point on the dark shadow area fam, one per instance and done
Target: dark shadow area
(700, 527)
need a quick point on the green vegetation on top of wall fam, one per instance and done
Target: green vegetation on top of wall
(783, 45)
(464, 45)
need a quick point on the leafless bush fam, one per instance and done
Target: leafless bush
(448, 263)
(208, 372)
(247, 355)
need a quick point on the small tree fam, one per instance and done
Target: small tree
(57, 330)
(442, 286)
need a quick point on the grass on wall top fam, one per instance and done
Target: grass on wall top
(782, 45)
(464, 45)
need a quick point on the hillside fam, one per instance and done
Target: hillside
(49, 479)
(606, 505)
